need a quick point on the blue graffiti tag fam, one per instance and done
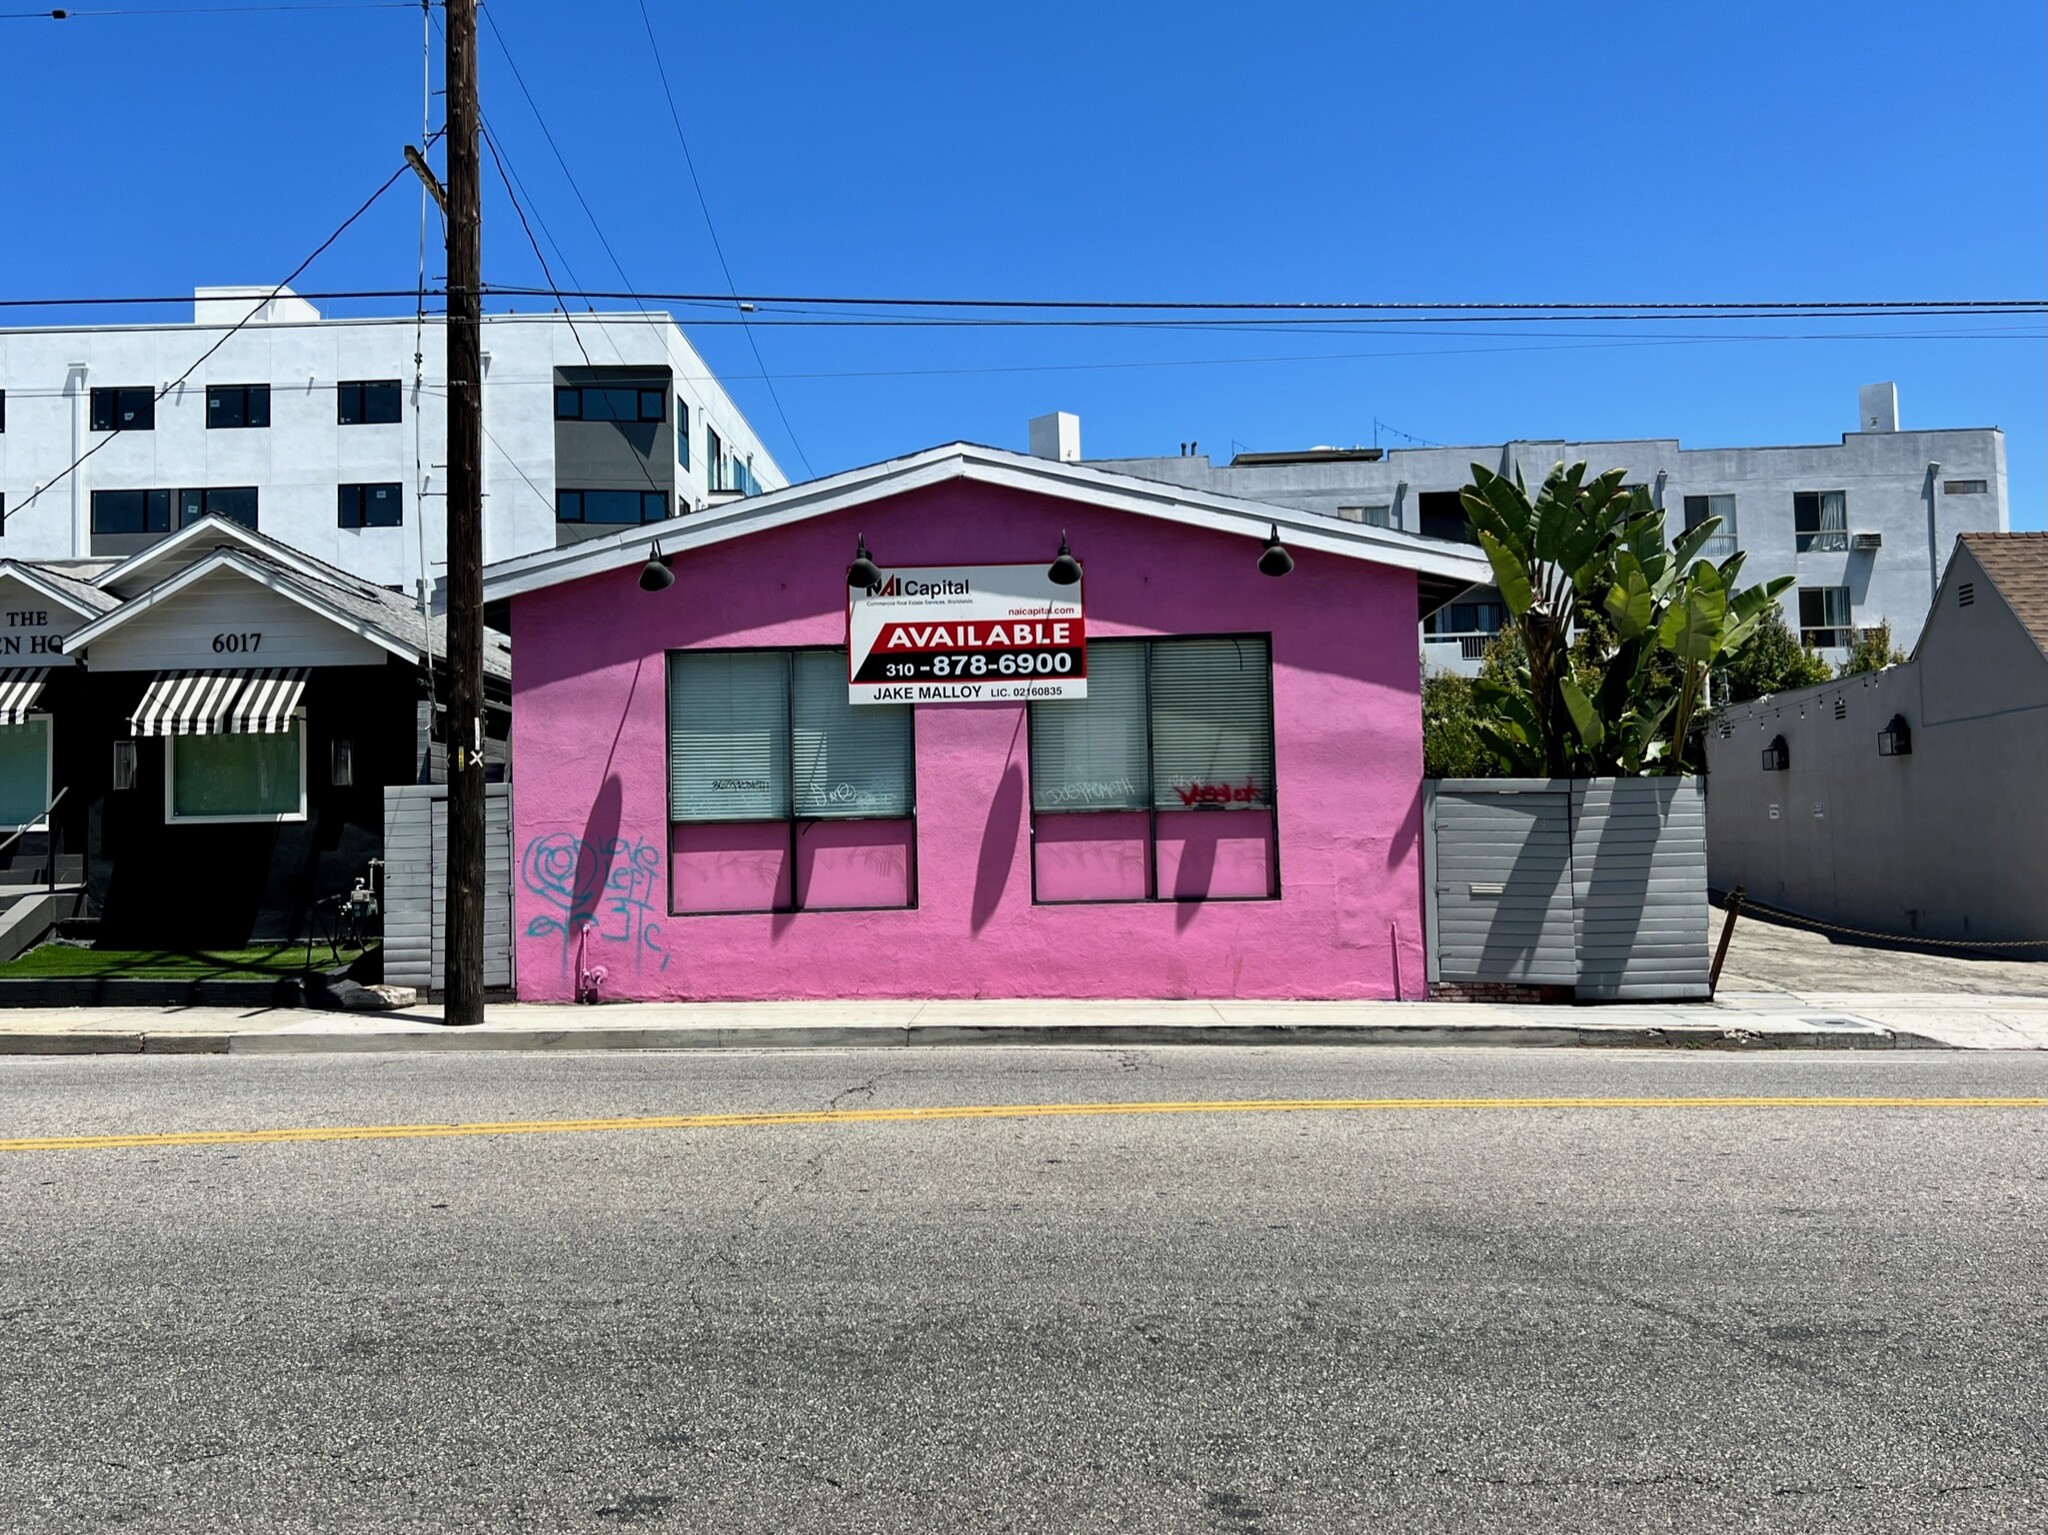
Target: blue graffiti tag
(604, 890)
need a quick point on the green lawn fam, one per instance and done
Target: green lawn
(59, 960)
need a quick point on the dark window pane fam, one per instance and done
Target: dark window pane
(348, 404)
(651, 402)
(117, 511)
(224, 406)
(653, 506)
(348, 506)
(568, 404)
(1695, 512)
(568, 506)
(682, 432)
(159, 510)
(191, 507)
(1443, 516)
(236, 503)
(383, 402)
(258, 405)
(123, 410)
(383, 506)
(611, 506)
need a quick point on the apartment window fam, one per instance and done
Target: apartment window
(1159, 784)
(611, 507)
(1468, 618)
(370, 506)
(1820, 520)
(714, 460)
(1698, 509)
(1824, 616)
(1443, 516)
(238, 776)
(25, 774)
(682, 433)
(1948, 487)
(124, 410)
(233, 405)
(132, 511)
(1373, 516)
(783, 795)
(369, 402)
(609, 402)
(236, 503)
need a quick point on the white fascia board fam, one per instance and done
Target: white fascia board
(28, 576)
(216, 525)
(988, 466)
(227, 559)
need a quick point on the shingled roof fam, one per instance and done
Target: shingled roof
(2017, 564)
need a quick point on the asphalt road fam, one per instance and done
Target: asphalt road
(1415, 1319)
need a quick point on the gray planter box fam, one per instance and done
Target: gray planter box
(1598, 885)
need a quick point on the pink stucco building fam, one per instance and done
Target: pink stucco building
(700, 810)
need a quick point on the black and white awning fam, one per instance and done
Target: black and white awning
(20, 688)
(268, 700)
(186, 704)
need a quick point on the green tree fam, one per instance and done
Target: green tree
(1772, 662)
(1872, 651)
(1618, 633)
(1451, 747)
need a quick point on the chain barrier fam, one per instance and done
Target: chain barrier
(1749, 904)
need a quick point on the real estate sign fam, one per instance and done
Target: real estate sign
(965, 634)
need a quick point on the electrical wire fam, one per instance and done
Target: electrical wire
(229, 334)
(67, 14)
(704, 206)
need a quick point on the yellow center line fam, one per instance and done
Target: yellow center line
(961, 1111)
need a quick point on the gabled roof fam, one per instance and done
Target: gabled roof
(1445, 568)
(82, 597)
(140, 572)
(384, 618)
(2017, 564)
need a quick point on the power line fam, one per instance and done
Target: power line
(67, 14)
(227, 335)
(705, 207)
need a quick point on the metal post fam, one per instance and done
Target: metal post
(1727, 932)
(464, 945)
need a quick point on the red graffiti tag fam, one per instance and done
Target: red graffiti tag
(1246, 793)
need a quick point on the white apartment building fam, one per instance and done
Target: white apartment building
(330, 434)
(1864, 525)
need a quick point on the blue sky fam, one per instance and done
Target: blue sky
(1457, 152)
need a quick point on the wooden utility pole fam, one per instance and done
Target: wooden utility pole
(464, 942)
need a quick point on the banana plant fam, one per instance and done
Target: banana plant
(1594, 591)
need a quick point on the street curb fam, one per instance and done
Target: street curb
(1724, 1037)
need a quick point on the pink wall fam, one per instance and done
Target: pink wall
(591, 788)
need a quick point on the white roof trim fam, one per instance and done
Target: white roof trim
(216, 525)
(28, 576)
(988, 466)
(230, 559)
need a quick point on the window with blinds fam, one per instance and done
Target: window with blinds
(851, 760)
(768, 735)
(1090, 753)
(1212, 724)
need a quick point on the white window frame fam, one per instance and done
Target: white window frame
(276, 818)
(49, 772)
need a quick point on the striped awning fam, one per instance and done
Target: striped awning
(20, 687)
(268, 699)
(186, 704)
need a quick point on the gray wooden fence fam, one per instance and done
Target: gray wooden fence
(1599, 884)
(416, 884)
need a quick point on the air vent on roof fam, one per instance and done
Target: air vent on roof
(1966, 593)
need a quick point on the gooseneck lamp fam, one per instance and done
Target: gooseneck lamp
(655, 576)
(863, 572)
(1275, 561)
(1065, 570)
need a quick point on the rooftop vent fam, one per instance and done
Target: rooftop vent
(1057, 437)
(1877, 408)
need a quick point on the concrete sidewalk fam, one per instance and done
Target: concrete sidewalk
(1756, 1020)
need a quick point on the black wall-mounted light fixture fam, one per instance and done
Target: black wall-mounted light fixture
(655, 576)
(1065, 570)
(1896, 739)
(1777, 756)
(863, 572)
(1275, 560)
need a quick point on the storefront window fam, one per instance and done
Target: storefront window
(785, 796)
(24, 773)
(241, 776)
(1125, 781)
